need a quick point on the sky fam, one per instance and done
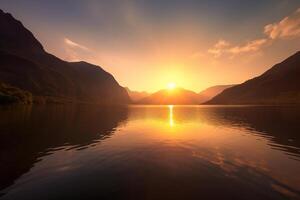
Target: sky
(147, 44)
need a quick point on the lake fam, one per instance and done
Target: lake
(150, 152)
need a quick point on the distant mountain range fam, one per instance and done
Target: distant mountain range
(28, 73)
(278, 85)
(175, 96)
(211, 92)
(136, 95)
(181, 96)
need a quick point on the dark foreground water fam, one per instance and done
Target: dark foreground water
(150, 152)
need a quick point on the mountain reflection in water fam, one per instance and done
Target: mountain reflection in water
(150, 152)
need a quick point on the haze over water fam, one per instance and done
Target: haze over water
(150, 152)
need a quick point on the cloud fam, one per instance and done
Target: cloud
(75, 51)
(288, 27)
(74, 44)
(224, 47)
(222, 44)
(219, 48)
(251, 46)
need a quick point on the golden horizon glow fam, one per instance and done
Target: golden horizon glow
(146, 41)
(171, 86)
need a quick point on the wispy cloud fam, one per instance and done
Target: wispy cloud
(222, 47)
(288, 27)
(75, 51)
(74, 44)
(219, 48)
(251, 46)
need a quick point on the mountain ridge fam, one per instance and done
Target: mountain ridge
(25, 64)
(212, 91)
(168, 96)
(136, 95)
(278, 85)
(174, 96)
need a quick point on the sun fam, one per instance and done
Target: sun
(171, 85)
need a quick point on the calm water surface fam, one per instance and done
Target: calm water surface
(150, 152)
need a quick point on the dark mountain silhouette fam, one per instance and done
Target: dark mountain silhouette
(24, 64)
(278, 85)
(136, 95)
(211, 92)
(175, 96)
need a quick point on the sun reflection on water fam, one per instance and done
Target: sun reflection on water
(171, 120)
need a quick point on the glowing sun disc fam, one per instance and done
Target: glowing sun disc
(171, 86)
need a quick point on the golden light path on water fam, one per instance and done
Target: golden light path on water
(171, 120)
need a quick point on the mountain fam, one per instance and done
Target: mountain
(135, 95)
(211, 92)
(26, 66)
(175, 96)
(278, 85)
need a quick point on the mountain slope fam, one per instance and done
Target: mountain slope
(175, 96)
(15, 38)
(135, 95)
(278, 85)
(211, 92)
(24, 64)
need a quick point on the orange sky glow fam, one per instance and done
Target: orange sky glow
(148, 45)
